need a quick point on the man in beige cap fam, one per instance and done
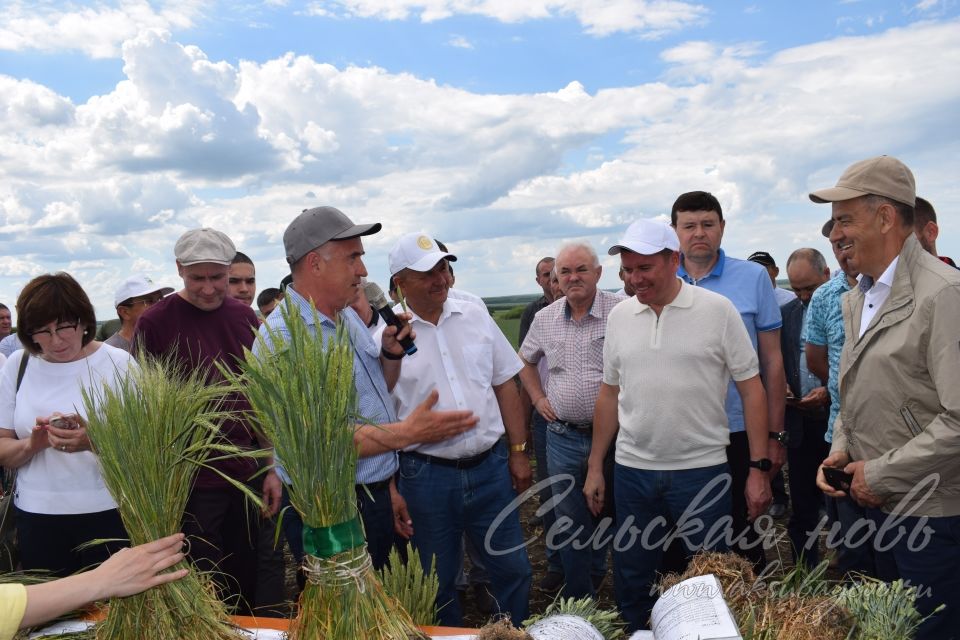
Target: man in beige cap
(201, 326)
(898, 432)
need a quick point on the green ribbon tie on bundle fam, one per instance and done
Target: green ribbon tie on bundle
(326, 542)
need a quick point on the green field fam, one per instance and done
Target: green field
(510, 328)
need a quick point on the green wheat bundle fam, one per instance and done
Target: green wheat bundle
(151, 433)
(882, 610)
(303, 399)
(415, 590)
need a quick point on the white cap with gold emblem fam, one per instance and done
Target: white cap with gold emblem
(416, 251)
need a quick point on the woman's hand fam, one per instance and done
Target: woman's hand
(16, 452)
(70, 438)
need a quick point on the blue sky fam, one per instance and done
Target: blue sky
(503, 127)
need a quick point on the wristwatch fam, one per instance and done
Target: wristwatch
(519, 447)
(780, 436)
(763, 464)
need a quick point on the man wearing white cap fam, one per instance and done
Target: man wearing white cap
(201, 326)
(668, 354)
(463, 484)
(134, 296)
(898, 432)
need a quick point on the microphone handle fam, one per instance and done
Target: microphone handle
(391, 318)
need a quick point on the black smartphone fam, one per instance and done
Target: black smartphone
(837, 479)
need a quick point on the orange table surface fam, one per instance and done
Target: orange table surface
(282, 624)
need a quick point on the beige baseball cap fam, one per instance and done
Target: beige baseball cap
(881, 176)
(204, 245)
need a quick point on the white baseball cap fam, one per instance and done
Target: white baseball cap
(647, 237)
(136, 286)
(416, 251)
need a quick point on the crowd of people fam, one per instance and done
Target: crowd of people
(657, 415)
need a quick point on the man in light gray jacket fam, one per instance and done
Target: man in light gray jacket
(898, 432)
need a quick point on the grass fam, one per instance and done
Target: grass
(510, 328)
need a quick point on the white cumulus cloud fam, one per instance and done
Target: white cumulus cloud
(96, 31)
(185, 141)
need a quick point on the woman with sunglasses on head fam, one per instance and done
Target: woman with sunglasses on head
(60, 498)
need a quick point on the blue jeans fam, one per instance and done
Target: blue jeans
(543, 472)
(580, 555)
(446, 502)
(930, 562)
(649, 504)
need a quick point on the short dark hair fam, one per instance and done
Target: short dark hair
(542, 260)
(443, 248)
(923, 213)
(241, 258)
(695, 201)
(814, 257)
(267, 296)
(53, 298)
(905, 211)
(4, 307)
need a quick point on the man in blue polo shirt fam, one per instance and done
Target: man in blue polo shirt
(698, 220)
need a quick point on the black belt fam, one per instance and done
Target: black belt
(456, 463)
(374, 486)
(579, 426)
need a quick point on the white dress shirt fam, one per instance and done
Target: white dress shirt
(464, 356)
(876, 295)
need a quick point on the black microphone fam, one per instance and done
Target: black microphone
(379, 302)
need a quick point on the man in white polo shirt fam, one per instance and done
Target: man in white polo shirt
(671, 350)
(465, 483)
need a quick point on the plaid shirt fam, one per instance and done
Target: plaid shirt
(574, 352)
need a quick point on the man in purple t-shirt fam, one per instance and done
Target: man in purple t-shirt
(200, 325)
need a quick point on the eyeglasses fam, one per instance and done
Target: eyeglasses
(147, 302)
(63, 331)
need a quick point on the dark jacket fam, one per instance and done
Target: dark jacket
(792, 314)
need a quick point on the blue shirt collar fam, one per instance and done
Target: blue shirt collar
(306, 309)
(716, 272)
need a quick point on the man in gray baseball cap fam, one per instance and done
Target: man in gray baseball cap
(899, 375)
(325, 252)
(318, 226)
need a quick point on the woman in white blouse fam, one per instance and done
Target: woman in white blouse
(60, 498)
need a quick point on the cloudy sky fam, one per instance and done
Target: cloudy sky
(503, 127)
